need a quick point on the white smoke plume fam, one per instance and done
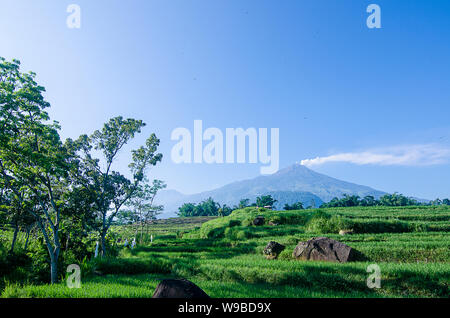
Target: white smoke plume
(412, 155)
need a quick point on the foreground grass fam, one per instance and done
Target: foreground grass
(414, 259)
(252, 276)
(142, 286)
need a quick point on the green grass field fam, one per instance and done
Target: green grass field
(224, 256)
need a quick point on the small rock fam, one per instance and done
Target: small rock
(259, 220)
(178, 288)
(324, 249)
(273, 249)
(345, 232)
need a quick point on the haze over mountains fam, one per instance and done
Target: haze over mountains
(289, 185)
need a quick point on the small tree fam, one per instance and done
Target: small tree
(142, 205)
(243, 203)
(187, 210)
(368, 200)
(265, 200)
(224, 210)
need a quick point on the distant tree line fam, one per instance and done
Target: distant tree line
(394, 199)
(209, 207)
(294, 206)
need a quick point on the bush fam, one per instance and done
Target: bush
(216, 228)
(108, 265)
(247, 222)
(319, 225)
(234, 223)
(323, 223)
(3, 263)
(299, 218)
(276, 219)
(242, 235)
(237, 234)
(382, 226)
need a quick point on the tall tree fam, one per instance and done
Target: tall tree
(33, 160)
(112, 189)
(14, 211)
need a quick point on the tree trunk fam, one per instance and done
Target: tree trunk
(53, 269)
(67, 241)
(28, 237)
(13, 243)
(103, 243)
(142, 232)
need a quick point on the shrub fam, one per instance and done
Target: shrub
(108, 265)
(247, 222)
(236, 234)
(318, 225)
(242, 235)
(323, 223)
(234, 223)
(381, 226)
(276, 219)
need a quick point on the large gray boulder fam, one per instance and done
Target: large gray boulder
(273, 249)
(178, 288)
(324, 249)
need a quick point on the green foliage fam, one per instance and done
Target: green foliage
(132, 266)
(34, 163)
(386, 200)
(294, 206)
(237, 233)
(205, 208)
(396, 200)
(243, 203)
(265, 200)
(234, 223)
(323, 223)
(381, 226)
(110, 190)
(216, 228)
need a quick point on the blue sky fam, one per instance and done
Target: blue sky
(310, 68)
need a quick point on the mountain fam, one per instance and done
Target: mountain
(169, 196)
(292, 184)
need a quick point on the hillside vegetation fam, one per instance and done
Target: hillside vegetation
(224, 256)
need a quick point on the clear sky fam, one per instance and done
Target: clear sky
(372, 104)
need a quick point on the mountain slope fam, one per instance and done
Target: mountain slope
(289, 185)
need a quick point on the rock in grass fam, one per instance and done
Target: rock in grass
(98, 273)
(259, 220)
(324, 249)
(178, 288)
(345, 232)
(273, 249)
